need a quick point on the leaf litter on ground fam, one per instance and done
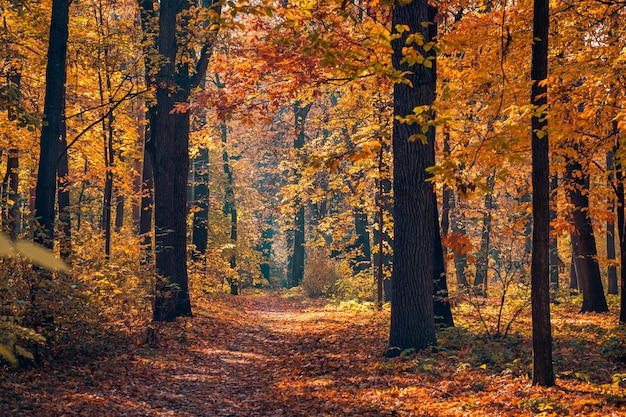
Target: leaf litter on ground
(269, 355)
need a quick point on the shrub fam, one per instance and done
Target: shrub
(321, 275)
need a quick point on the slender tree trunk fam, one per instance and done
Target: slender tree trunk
(266, 251)
(610, 230)
(148, 20)
(554, 247)
(412, 307)
(460, 258)
(230, 209)
(482, 262)
(621, 225)
(442, 310)
(297, 266)
(63, 201)
(543, 372)
(363, 259)
(11, 178)
(383, 241)
(585, 261)
(201, 202)
(573, 278)
(11, 182)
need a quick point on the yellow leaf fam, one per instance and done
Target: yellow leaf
(7, 354)
(41, 256)
(6, 248)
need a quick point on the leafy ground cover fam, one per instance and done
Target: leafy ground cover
(270, 355)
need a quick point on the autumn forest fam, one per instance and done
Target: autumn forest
(312, 208)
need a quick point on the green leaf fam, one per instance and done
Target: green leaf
(41, 256)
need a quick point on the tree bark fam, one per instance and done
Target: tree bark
(610, 229)
(412, 307)
(230, 210)
(543, 372)
(11, 178)
(45, 192)
(554, 247)
(171, 167)
(442, 309)
(482, 261)
(362, 260)
(621, 224)
(63, 201)
(201, 202)
(297, 266)
(148, 19)
(583, 239)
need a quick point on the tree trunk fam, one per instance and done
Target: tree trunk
(610, 230)
(201, 202)
(543, 372)
(442, 310)
(573, 278)
(63, 201)
(266, 251)
(230, 209)
(11, 178)
(554, 247)
(482, 261)
(171, 167)
(412, 307)
(585, 261)
(51, 131)
(460, 259)
(382, 255)
(148, 18)
(297, 259)
(621, 224)
(362, 260)
(11, 182)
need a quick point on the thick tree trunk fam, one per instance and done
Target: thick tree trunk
(543, 372)
(45, 192)
(171, 167)
(585, 261)
(412, 307)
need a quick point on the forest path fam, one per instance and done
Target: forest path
(249, 355)
(264, 355)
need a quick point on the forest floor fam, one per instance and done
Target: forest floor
(270, 355)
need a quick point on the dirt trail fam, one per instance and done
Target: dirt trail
(239, 356)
